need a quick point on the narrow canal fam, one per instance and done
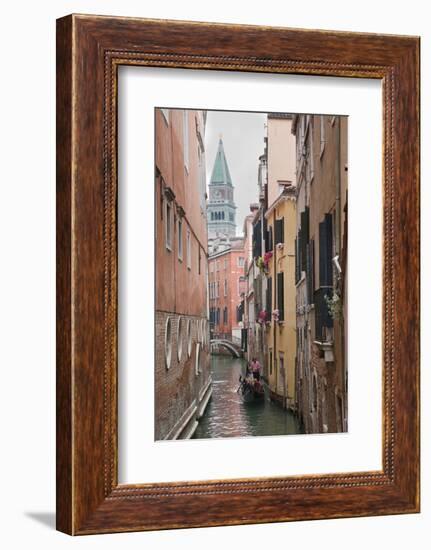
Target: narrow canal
(226, 414)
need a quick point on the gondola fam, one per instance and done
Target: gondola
(251, 390)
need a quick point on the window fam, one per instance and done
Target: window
(165, 113)
(168, 233)
(211, 267)
(180, 239)
(268, 241)
(186, 139)
(279, 231)
(189, 250)
(225, 316)
(225, 263)
(189, 337)
(180, 334)
(281, 366)
(225, 287)
(218, 289)
(240, 261)
(197, 360)
(311, 158)
(168, 342)
(282, 184)
(202, 177)
(270, 361)
(322, 135)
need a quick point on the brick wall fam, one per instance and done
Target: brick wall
(177, 387)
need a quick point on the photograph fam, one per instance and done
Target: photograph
(214, 239)
(251, 304)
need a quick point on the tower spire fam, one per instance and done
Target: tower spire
(221, 206)
(220, 173)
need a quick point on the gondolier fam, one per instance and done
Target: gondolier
(256, 368)
(251, 388)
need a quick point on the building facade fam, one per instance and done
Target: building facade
(182, 366)
(321, 253)
(279, 260)
(249, 336)
(281, 332)
(226, 292)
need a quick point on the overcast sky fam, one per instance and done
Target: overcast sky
(242, 135)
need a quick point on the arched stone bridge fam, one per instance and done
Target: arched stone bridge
(234, 349)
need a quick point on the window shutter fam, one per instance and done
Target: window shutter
(257, 244)
(325, 251)
(305, 237)
(311, 274)
(279, 231)
(328, 222)
(308, 273)
(307, 224)
(322, 254)
(280, 295)
(269, 296)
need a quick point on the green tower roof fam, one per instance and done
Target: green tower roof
(220, 173)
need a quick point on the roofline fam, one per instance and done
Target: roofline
(281, 198)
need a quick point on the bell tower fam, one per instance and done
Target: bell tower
(221, 206)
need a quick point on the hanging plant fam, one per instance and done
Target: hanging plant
(260, 263)
(335, 305)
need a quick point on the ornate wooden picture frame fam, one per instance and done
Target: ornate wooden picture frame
(89, 51)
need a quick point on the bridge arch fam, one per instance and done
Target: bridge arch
(234, 350)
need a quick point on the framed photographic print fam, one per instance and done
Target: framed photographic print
(237, 274)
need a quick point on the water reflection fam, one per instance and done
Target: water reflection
(228, 416)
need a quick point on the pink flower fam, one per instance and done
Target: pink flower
(266, 258)
(262, 316)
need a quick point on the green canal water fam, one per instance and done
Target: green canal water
(226, 414)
